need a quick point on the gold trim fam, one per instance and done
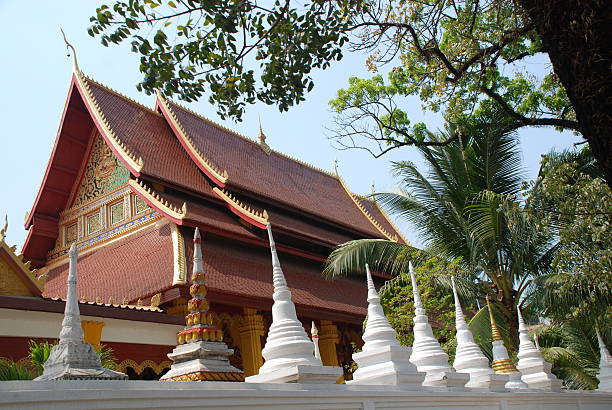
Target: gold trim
(387, 218)
(221, 175)
(51, 261)
(38, 280)
(160, 202)
(364, 211)
(139, 367)
(230, 199)
(103, 200)
(180, 262)
(134, 162)
(208, 376)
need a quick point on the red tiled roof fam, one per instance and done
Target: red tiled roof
(249, 272)
(379, 216)
(135, 267)
(147, 134)
(273, 175)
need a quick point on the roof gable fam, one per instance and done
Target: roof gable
(16, 278)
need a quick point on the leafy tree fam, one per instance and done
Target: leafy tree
(397, 300)
(459, 56)
(465, 209)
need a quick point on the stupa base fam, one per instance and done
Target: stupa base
(452, 380)
(488, 382)
(542, 381)
(515, 382)
(205, 361)
(299, 374)
(387, 365)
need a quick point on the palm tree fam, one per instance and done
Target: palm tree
(465, 207)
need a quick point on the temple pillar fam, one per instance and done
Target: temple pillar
(251, 331)
(329, 337)
(92, 331)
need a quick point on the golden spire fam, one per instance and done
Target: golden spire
(501, 361)
(262, 139)
(71, 47)
(496, 335)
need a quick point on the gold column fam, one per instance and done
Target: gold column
(92, 331)
(251, 331)
(329, 337)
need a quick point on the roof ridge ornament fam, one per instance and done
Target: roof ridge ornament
(71, 47)
(262, 139)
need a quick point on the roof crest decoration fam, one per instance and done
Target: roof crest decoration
(258, 216)
(364, 211)
(123, 96)
(385, 215)
(160, 203)
(136, 163)
(220, 175)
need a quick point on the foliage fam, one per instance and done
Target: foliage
(574, 203)
(39, 353)
(466, 209)
(194, 46)
(573, 350)
(397, 300)
(9, 370)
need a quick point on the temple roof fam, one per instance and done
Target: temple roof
(142, 265)
(195, 164)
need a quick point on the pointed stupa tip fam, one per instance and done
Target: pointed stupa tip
(459, 318)
(495, 334)
(521, 321)
(198, 267)
(372, 294)
(278, 278)
(415, 289)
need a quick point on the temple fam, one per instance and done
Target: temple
(129, 184)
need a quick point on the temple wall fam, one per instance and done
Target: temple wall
(78, 394)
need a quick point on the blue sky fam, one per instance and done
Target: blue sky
(35, 74)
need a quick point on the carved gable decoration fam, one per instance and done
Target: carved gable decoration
(16, 278)
(103, 173)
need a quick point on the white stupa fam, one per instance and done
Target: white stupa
(535, 371)
(427, 354)
(314, 334)
(605, 366)
(383, 360)
(469, 358)
(288, 352)
(72, 358)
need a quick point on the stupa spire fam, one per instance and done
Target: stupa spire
(469, 358)
(72, 358)
(382, 359)
(604, 375)
(288, 352)
(427, 354)
(201, 353)
(501, 360)
(314, 333)
(534, 369)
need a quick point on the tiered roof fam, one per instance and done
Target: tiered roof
(196, 174)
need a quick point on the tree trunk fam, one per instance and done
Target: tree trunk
(576, 34)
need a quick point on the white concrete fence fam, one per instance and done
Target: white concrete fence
(100, 394)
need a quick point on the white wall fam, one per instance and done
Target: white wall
(25, 323)
(95, 394)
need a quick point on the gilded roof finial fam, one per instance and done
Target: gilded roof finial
(69, 47)
(496, 335)
(262, 139)
(3, 230)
